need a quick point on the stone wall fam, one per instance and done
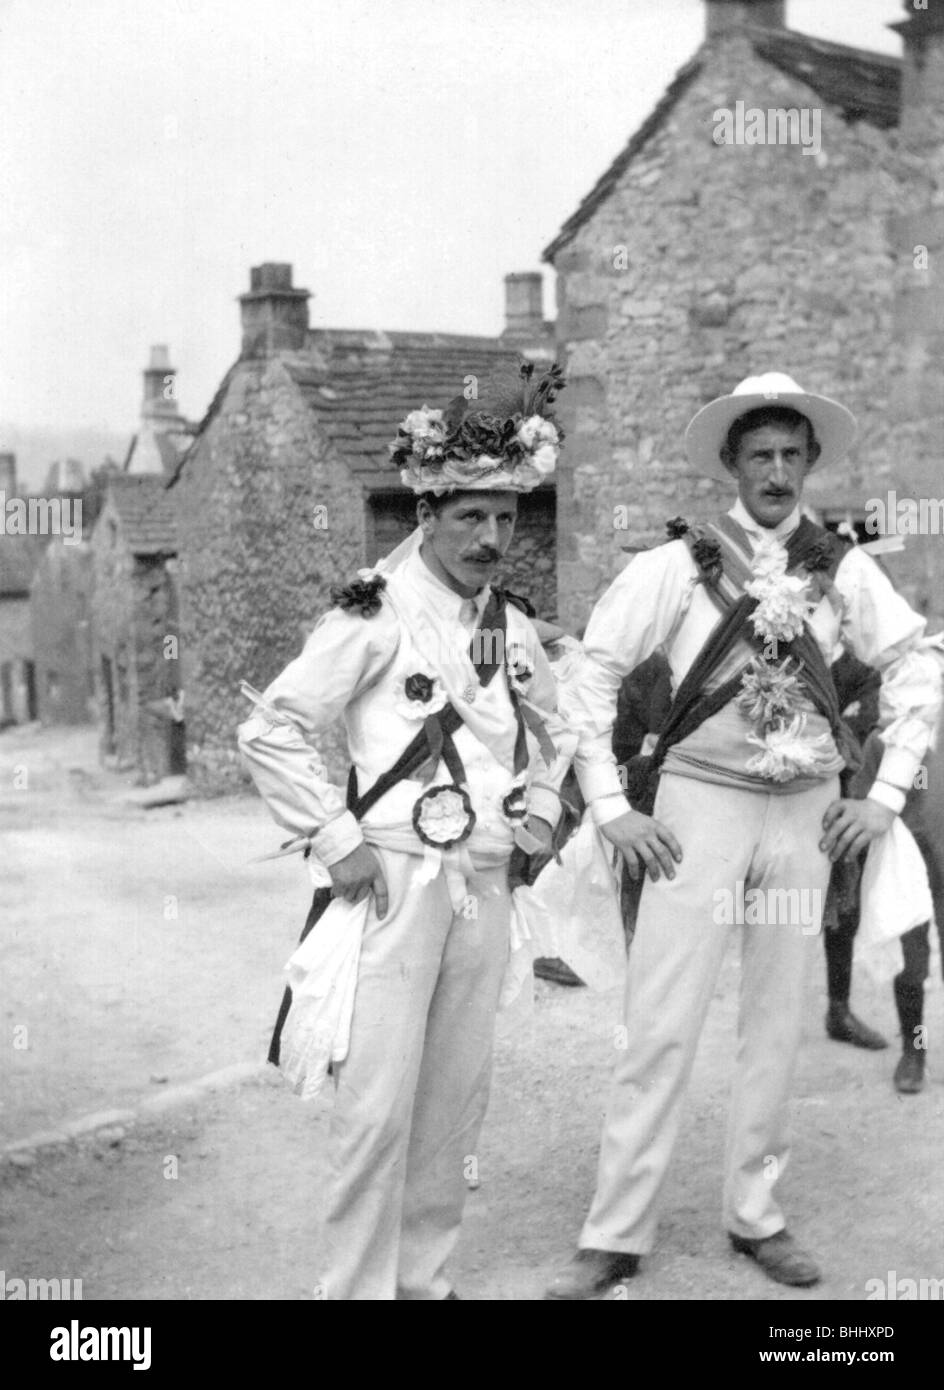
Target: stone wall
(530, 566)
(256, 559)
(61, 619)
(708, 263)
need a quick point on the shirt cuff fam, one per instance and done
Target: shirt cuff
(886, 795)
(336, 840)
(607, 808)
(599, 779)
(898, 768)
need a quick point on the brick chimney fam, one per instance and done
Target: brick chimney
(274, 313)
(8, 475)
(524, 305)
(160, 386)
(728, 16)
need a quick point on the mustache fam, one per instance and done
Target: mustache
(489, 555)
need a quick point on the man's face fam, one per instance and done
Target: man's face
(770, 465)
(464, 543)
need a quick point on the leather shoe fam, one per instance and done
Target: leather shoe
(909, 1074)
(590, 1273)
(843, 1026)
(780, 1257)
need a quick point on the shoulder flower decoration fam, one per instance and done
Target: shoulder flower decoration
(519, 670)
(707, 555)
(420, 695)
(360, 596)
(676, 527)
(443, 816)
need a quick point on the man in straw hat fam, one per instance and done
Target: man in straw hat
(448, 704)
(744, 814)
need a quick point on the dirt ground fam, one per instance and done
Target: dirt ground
(143, 949)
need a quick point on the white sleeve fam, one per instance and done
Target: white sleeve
(883, 630)
(636, 615)
(278, 742)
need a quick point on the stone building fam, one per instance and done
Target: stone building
(61, 622)
(134, 628)
(693, 263)
(287, 488)
(19, 556)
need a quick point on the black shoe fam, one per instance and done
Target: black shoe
(451, 1294)
(557, 971)
(590, 1273)
(909, 1074)
(843, 1026)
(780, 1257)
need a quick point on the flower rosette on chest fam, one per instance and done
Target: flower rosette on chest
(443, 816)
(420, 695)
(783, 600)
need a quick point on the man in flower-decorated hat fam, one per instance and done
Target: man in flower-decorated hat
(739, 814)
(457, 755)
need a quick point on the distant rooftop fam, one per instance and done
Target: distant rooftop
(146, 511)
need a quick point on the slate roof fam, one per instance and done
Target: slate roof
(863, 85)
(19, 556)
(146, 512)
(360, 385)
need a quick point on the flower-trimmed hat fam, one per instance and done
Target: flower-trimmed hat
(834, 426)
(507, 441)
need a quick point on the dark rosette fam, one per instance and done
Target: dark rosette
(443, 816)
(676, 527)
(361, 596)
(707, 553)
(418, 687)
(515, 805)
(820, 555)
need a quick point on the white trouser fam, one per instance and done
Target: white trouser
(412, 1091)
(765, 841)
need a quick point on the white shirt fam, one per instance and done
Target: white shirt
(354, 668)
(659, 601)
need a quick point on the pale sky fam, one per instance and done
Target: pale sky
(404, 155)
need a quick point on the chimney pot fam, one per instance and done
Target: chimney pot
(160, 394)
(730, 16)
(274, 313)
(524, 304)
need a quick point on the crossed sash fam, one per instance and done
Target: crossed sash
(694, 701)
(433, 742)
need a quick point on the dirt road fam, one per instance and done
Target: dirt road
(141, 949)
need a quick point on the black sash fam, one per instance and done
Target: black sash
(434, 741)
(692, 704)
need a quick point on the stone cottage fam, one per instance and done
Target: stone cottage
(702, 255)
(61, 622)
(19, 556)
(134, 628)
(287, 488)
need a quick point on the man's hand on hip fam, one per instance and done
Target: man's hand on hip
(358, 874)
(852, 825)
(644, 841)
